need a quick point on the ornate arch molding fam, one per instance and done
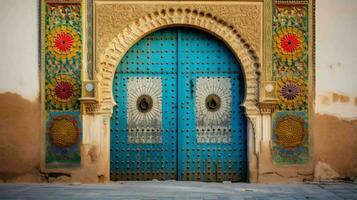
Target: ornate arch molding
(245, 53)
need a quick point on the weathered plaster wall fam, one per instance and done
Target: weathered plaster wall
(336, 58)
(19, 91)
(19, 138)
(335, 130)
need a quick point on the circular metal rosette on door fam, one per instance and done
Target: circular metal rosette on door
(213, 101)
(144, 102)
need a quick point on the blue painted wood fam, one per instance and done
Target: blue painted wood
(202, 55)
(179, 56)
(154, 56)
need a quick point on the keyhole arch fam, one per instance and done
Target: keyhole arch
(208, 22)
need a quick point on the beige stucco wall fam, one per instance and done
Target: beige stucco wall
(336, 60)
(335, 131)
(19, 91)
(335, 135)
(19, 43)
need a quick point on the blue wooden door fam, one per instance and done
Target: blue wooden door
(179, 92)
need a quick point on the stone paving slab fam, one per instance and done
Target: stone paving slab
(175, 190)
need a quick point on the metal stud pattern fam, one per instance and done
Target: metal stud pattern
(151, 64)
(180, 58)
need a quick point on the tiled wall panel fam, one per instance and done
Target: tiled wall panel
(291, 72)
(61, 33)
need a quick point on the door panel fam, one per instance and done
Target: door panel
(212, 138)
(143, 136)
(179, 92)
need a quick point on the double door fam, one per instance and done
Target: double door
(178, 113)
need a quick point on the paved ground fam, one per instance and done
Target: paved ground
(173, 190)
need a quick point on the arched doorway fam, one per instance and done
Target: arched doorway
(178, 115)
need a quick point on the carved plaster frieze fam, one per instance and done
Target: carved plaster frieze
(90, 108)
(203, 19)
(112, 17)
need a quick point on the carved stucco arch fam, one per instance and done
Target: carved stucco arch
(231, 36)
